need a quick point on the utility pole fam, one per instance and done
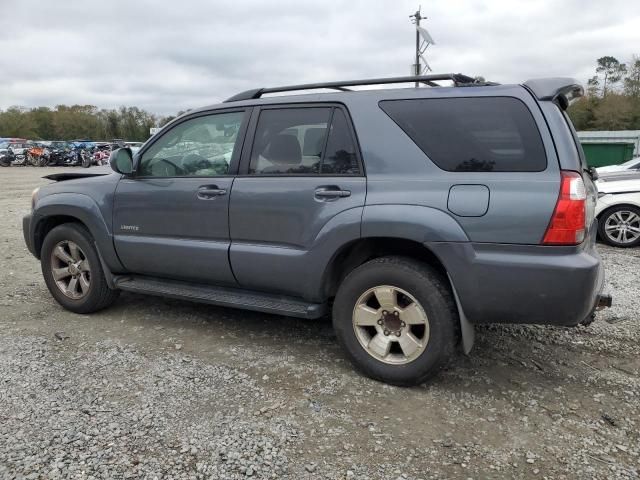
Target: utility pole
(423, 40)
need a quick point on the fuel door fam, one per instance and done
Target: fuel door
(468, 200)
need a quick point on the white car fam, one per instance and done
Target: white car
(618, 209)
(633, 165)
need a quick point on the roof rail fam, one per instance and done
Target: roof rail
(458, 80)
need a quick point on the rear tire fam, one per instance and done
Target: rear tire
(407, 336)
(72, 270)
(619, 226)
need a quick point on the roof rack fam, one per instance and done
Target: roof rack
(458, 79)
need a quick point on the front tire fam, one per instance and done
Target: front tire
(72, 270)
(619, 226)
(396, 319)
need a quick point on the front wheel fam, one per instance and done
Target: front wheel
(72, 270)
(396, 319)
(620, 226)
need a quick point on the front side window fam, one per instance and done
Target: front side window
(482, 134)
(299, 141)
(199, 147)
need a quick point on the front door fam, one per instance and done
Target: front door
(171, 217)
(300, 175)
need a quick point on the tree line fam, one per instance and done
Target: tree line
(69, 122)
(612, 100)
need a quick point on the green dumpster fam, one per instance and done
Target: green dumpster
(600, 154)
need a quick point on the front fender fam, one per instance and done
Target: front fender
(83, 208)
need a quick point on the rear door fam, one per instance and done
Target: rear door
(171, 217)
(302, 170)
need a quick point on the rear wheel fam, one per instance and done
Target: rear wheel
(619, 226)
(72, 270)
(396, 319)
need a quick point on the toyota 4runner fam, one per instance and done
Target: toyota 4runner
(409, 213)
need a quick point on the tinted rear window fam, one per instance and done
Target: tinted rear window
(487, 134)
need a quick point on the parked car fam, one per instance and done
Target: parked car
(18, 153)
(411, 214)
(618, 209)
(632, 165)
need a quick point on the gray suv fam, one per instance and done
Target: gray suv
(410, 213)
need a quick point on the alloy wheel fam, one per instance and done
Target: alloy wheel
(390, 325)
(71, 270)
(622, 226)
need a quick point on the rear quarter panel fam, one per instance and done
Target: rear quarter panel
(399, 172)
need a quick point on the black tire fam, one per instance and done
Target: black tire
(99, 295)
(430, 290)
(609, 214)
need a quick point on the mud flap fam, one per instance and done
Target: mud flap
(466, 328)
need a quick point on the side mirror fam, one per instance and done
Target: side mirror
(121, 161)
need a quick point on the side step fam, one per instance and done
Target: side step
(225, 297)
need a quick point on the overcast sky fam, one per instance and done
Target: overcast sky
(166, 56)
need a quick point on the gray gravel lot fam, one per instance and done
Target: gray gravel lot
(155, 388)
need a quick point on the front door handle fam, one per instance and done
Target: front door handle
(209, 192)
(325, 193)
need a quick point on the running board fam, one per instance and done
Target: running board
(224, 297)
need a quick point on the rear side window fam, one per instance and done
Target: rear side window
(303, 141)
(487, 134)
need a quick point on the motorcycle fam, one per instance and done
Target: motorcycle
(6, 158)
(77, 156)
(101, 155)
(38, 156)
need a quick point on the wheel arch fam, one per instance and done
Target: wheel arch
(608, 208)
(357, 252)
(56, 209)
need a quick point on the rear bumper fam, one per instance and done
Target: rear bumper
(499, 283)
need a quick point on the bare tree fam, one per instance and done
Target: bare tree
(612, 72)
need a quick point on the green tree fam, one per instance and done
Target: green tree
(614, 112)
(632, 80)
(582, 113)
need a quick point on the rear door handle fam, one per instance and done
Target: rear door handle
(209, 192)
(331, 193)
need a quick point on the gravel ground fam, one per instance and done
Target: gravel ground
(155, 388)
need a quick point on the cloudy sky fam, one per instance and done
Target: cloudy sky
(166, 56)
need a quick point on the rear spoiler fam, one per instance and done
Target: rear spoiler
(563, 91)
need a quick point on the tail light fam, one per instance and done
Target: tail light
(568, 223)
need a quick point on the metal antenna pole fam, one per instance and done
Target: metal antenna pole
(416, 20)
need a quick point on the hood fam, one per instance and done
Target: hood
(619, 183)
